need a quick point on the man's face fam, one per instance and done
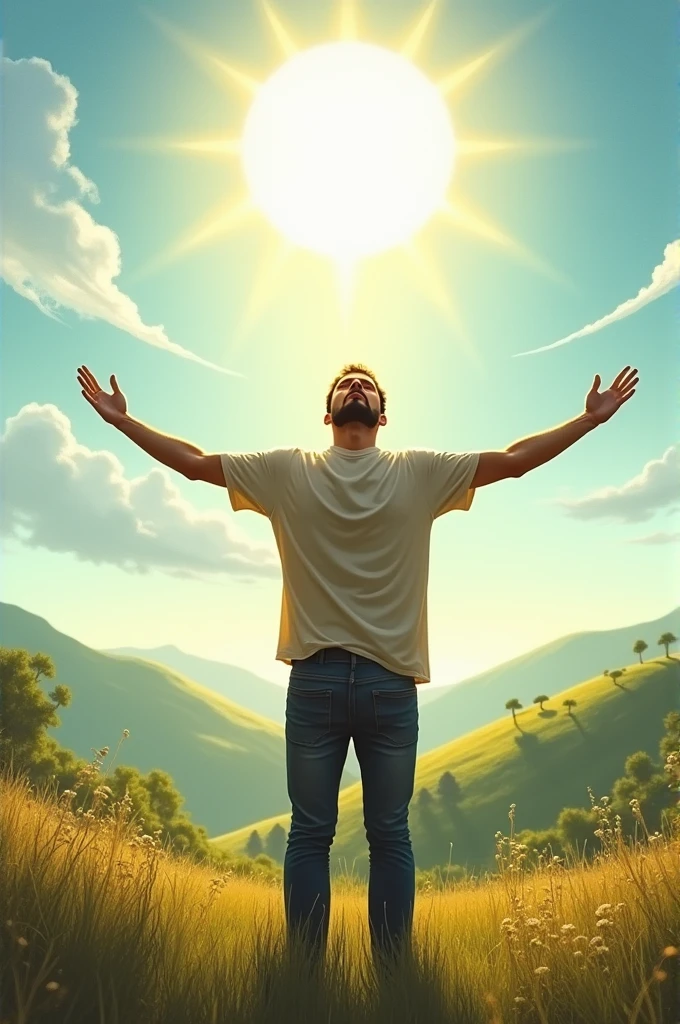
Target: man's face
(355, 400)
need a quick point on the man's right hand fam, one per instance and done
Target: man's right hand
(111, 407)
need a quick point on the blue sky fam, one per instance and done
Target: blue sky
(586, 542)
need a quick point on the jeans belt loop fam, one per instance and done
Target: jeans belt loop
(322, 655)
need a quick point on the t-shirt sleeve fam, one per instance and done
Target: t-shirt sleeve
(448, 476)
(254, 479)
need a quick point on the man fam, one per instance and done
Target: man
(352, 525)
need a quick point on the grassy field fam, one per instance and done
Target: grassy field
(543, 763)
(100, 926)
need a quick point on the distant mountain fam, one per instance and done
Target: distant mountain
(235, 683)
(543, 764)
(227, 762)
(549, 669)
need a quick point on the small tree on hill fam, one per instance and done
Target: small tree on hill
(569, 704)
(639, 647)
(254, 844)
(425, 798)
(606, 672)
(665, 639)
(449, 789)
(616, 675)
(513, 705)
(275, 843)
(541, 699)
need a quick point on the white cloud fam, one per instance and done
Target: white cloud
(661, 537)
(60, 495)
(656, 487)
(664, 277)
(54, 252)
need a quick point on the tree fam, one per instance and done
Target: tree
(254, 844)
(513, 705)
(665, 639)
(449, 790)
(639, 766)
(615, 675)
(425, 798)
(569, 703)
(576, 827)
(606, 672)
(638, 647)
(541, 699)
(275, 843)
(25, 711)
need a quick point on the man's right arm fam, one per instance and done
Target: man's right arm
(179, 455)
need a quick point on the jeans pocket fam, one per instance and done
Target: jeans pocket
(308, 715)
(396, 715)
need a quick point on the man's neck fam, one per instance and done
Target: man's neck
(354, 437)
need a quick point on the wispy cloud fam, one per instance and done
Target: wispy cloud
(60, 495)
(53, 251)
(664, 277)
(658, 538)
(656, 487)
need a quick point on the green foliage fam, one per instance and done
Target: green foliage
(449, 790)
(275, 843)
(639, 647)
(254, 845)
(665, 640)
(25, 714)
(541, 699)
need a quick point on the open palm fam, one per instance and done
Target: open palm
(602, 405)
(111, 407)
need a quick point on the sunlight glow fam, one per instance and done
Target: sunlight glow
(348, 149)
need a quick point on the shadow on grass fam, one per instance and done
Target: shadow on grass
(547, 713)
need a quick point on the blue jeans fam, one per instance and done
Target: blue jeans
(333, 695)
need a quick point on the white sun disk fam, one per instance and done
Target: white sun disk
(348, 149)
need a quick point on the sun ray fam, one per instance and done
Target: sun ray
(283, 37)
(267, 279)
(491, 147)
(440, 294)
(452, 81)
(206, 147)
(349, 21)
(415, 37)
(346, 273)
(217, 222)
(208, 60)
(463, 216)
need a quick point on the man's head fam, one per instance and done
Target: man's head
(356, 401)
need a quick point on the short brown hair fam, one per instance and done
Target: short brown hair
(356, 368)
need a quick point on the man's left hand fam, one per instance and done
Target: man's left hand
(602, 406)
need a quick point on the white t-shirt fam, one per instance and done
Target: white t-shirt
(353, 533)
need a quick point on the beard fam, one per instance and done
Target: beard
(355, 411)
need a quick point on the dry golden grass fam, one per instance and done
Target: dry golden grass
(99, 924)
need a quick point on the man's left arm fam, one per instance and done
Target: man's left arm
(534, 451)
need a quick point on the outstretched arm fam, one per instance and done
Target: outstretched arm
(179, 455)
(534, 451)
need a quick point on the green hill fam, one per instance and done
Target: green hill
(228, 763)
(543, 764)
(555, 666)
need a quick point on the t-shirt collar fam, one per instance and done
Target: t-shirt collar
(350, 453)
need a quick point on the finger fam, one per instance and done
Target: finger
(91, 379)
(629, 395)
(84, 383)
(619, 377)
(596, 382)
(89, 398)
(627, 380)
(114, 384)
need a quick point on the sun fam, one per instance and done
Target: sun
(348, 150)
